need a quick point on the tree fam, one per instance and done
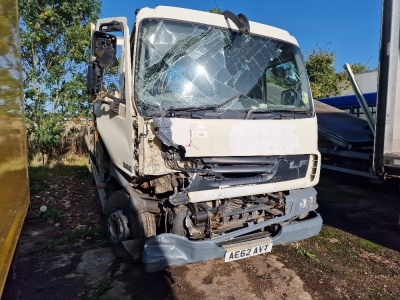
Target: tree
(321, 73)
(359, 67)
(55, 43)
(324, 79)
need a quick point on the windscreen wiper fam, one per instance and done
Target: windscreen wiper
(275, 113)
(204, 107)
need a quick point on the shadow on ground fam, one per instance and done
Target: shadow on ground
(355, 205)
(64, 253)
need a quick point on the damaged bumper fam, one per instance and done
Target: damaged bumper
(166, 250)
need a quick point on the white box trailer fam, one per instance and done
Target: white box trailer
(387, 138)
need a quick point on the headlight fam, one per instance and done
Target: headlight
(308, 203)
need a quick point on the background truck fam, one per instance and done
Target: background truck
(351, 145)
(204, 138)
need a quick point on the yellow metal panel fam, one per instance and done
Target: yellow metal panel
(14, 185)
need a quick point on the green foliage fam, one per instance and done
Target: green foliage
(37, 186)
(46, 131)
(359, 67)
(101, 288)
(54, 215)
(324, 79)
(55, 42)
(321, 72)
(311, 256)
(215, 10)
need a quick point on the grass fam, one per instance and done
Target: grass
(68, 159)
(101, 288)
(70, 165)
(53, 215)
(368, 246)
(329, 233)
(334, 239)
(79, 234)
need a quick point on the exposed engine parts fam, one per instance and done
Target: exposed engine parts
(203, 220)
(206, 220)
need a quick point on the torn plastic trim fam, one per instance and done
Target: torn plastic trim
(166, 250)
(163, 131)
(113, 26)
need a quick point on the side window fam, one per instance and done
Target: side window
(280, 78)
(114, 77)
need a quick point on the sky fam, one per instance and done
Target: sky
(350, 28)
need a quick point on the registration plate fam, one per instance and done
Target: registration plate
(239, 251)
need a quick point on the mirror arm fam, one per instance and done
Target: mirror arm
(114, 104)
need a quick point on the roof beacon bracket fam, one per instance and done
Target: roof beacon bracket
(240, 20)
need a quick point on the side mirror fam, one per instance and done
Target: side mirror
(105, 49)
(93, 80)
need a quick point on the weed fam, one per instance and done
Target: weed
(80, 234)
(37, 185)
(54, 215)
(311, 256)
(101, 288)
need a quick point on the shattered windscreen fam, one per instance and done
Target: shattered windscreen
(186, 65)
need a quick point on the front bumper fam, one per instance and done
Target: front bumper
(166, 250)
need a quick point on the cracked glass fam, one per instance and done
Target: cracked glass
(186, 65)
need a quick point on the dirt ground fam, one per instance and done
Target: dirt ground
(63, 253)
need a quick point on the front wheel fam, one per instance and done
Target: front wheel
(127, 231)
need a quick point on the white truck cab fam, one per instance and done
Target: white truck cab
(204, 140)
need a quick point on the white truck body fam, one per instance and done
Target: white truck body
(208, 126)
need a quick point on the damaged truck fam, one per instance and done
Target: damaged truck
(204, 136)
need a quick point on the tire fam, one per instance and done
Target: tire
(125, 225)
